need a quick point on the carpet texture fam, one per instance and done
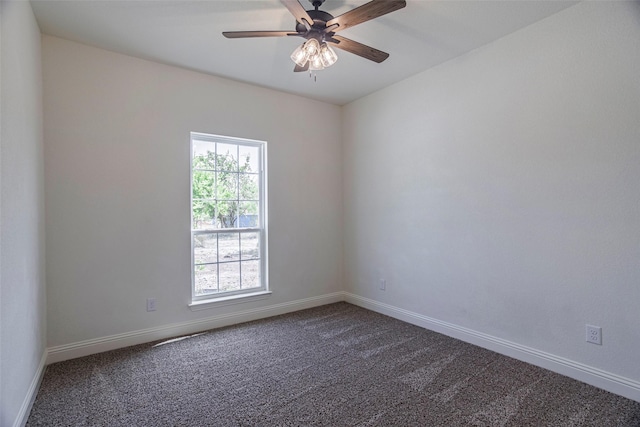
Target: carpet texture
(336, 365)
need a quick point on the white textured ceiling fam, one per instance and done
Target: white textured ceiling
(188, 34)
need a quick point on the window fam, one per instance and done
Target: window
(228, 233)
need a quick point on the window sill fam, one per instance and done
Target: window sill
(229, 300)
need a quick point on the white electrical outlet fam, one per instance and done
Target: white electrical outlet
(594, 334)
(383, 284)
(151, 304)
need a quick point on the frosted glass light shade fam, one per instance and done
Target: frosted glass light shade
(312, 47)
(315, 63)
(300, 56)
(327, 55)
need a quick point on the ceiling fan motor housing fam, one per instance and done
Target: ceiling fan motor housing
(320, 19)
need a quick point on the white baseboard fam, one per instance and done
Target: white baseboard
(32, 392)
(605, 380)
(608, 381)
(112, 342)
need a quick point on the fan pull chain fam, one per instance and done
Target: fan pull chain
(314, 75)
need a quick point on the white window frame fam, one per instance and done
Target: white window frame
(201, 301)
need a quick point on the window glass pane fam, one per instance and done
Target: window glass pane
(227, 186)
(250, 244)
(203, 185)
(249, 158)
(205, 279)
(227, 157)
(204, 154)
(226, 213)
(205, 248)
(249, 189)
(249, 214)
(250, 274)
(228, 247)
(203, 214)
(229, 276)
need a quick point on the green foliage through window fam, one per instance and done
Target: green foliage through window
(224, 190)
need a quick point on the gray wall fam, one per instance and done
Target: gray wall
(22, 277)
(499, 192)
(117, 189)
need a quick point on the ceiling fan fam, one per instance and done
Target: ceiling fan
(319, 28)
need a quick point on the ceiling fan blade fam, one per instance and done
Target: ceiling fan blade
(359, 49)
(297, 11)
(366, 12)
(298, 68)
(244, 34)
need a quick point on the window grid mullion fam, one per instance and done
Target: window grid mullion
(217, 263)
(238, 198)
(240, 256)
(215, 183)
(238, 216)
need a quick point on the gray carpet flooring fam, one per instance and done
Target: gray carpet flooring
(336, 365)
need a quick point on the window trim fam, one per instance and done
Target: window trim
(200, 302)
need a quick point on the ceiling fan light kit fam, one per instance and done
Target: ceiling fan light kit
(318, 56)
(319, 28)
